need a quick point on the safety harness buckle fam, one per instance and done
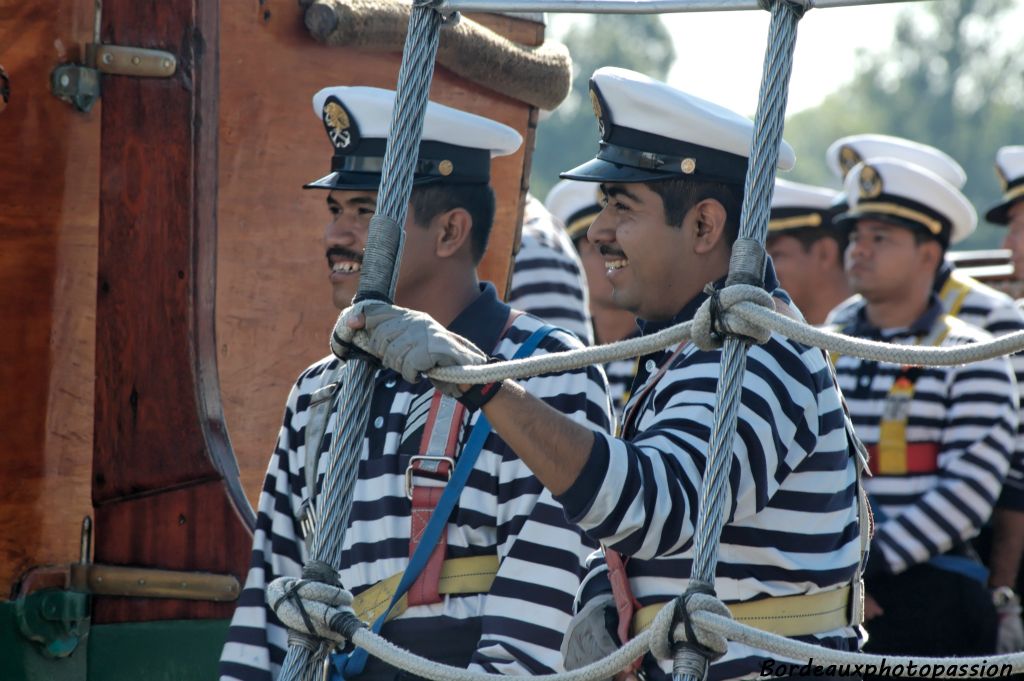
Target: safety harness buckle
(438, 468)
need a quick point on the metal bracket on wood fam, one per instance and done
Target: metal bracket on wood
(80, 84)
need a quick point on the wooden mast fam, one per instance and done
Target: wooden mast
(165, 484)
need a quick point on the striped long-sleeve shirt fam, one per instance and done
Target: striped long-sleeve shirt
(969, 411)
(547, 278)
(790, 505)
(503, 511)
(992, 311)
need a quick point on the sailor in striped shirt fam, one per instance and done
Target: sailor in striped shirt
(575, 205)
(671, 168)
(505, 520)
(940, 438)
(547, 276)
(1001, 542)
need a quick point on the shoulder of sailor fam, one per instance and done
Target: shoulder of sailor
(314, 378)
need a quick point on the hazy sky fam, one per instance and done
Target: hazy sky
(719, 54)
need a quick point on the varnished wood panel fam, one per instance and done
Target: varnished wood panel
(274, 310)
(160, 444)
(174, 528)
(49, 157)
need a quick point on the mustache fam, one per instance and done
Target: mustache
(608, 250)
(343, 253)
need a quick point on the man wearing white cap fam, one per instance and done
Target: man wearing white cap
(940, 439)
(994, 312)
(671, 168)
(576, 204)
(520, 562)
(1009, 212)
(805, 248)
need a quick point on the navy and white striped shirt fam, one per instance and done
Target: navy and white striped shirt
(991, 311)
(503, 511)
(548, 279)
(969, 411)
(791, 504)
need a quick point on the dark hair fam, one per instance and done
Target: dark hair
(429, 201)
(681, 194)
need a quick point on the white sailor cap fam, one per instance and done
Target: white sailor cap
(800, 206)
(895, 191)
(576, 204)
(456, 147)
(651, 131)
(846, 152)
(1010, 169)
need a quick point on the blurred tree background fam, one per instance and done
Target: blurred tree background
(947, 80)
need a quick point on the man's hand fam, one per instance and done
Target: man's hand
(413, 343)
(1010, 634)
(591, 634)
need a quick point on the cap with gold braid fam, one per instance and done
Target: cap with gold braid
(456, 147)
(902, 193)
(800, 206)
(1010, 169)
(651, 131)
(846, 152)
(576, 204)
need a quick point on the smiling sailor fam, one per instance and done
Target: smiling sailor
(510, 560)
(671, 168)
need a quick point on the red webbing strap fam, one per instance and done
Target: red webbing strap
(625, 602)
(437, 466)
(438, 454)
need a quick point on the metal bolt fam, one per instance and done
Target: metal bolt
(65, 80)
(166, 64)
(108, 58)
(136, 60)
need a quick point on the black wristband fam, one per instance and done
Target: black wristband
(480, 394)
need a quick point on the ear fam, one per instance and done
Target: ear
(710, 217)
(453, 232)
(931, 252)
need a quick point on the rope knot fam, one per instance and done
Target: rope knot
(675, 625)
(714, 321)
(314, 609)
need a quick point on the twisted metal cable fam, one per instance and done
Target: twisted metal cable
(689, 664)
(378, 279)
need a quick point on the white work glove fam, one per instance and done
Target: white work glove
(413, 343)
(1010, 632)
(588, 638)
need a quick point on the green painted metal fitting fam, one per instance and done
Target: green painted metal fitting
(56, 620)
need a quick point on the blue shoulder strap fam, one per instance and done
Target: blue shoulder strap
(350, 665)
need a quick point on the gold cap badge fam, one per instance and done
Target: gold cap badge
(848, 158)
(870, 183)
(340, 129)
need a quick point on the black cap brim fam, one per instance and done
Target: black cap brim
(598, 170)
(999, 215)
(359, 181)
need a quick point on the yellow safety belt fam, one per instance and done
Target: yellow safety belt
(472, 575)
(800, 615)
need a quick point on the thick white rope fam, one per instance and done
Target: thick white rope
(742, 310)
(316, 609)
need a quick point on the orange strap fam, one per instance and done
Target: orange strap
(626, 603)
(438, 447)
